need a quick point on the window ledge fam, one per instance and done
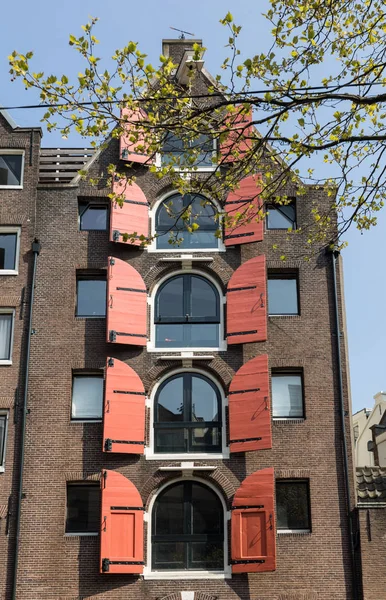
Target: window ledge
(2, 469)
(187, 250)
(187, 356)
(100, 317)
(79, 535)
(284, 316)
(83, 421)
(186, 258)
(184, 351)
(293, 420)
(294, 532)
(187, 575)
(203, 456)
(8, 272)
(11, 187)
(5, 362)
(189, 467)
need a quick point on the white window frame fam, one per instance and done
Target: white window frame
(9, 311)
(6, 414)
(148, 573)
(14, 151)
(17, 230)
(150, 453)
(152, 247)
(74, 420)
(151, 347)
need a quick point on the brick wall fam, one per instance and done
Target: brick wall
(373, 543)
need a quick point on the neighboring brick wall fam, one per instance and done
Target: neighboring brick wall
(373, 545)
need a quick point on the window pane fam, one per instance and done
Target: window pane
(198, 335)
(204, 299)
(205, 439)
(168, 556)
(281, 217)
(170, 301)
(171, 401)
(287, 396)
(83, 508)
(171, 440)
(87, 397)
(92, 218)
(91, 298)
(169, 516)
(8, 243)
(5, 336)
(207, 555)
(282, 297)
(10, 169)
(207, 513)
(203, 335)
(168, 212)
(292, 505)
(169, 336)
(204, 401)
(2, 438)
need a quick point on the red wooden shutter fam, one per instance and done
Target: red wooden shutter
(235, 146)
(121, 539)
(247, 303)
(132, 216)
(132, 146)
(249, 407)
(244, 201)
(126, 304)
(253, 524)
(124, 409)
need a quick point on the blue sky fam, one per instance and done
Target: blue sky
(43, 26)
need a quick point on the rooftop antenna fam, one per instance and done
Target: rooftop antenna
(182, 36)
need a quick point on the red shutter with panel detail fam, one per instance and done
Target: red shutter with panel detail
(124, 409)
(235, 146)
(121, 538)
(126, 304)
(253, 524)
(132, 217)
(244, 201)
(247, 303)
(249, 407)
(132, 146)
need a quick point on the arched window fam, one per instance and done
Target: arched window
(187, 313)
(187, 415)
(188, 529)
(176, 213)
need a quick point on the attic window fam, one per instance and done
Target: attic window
(11, 168)
(187, 153)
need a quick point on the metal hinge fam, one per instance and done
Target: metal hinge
(242, 289)
(245, 507)
(242, 332)
(247, 562)
(238, 235)
(244, 391)
(116, 235)
(109, 443)
(112, 336)
(111, 362)
(112, 261)
(253, 439)
(106, 562)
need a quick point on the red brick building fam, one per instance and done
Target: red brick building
(183, 416)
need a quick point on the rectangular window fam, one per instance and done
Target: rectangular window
(83, 508)
(3, 436)
(200, 151)
(92, 217)
(6, 335)
(87, 397)
(11, 168)
(281, 216)
(283, 294)
(293, 505)
(91, 296)
(287, 394)
(9, 250)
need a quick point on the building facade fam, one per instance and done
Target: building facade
(364, 421)
(183, 430)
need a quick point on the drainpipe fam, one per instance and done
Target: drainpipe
(334, 257)
(36, 247)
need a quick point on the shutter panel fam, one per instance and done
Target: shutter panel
(124, 409)
(121, 538)
(132, 216)
(247, 303)
(232, 148)
(132, 146)
(253, 524)
(249, 407)
(244, 200)
(126, 304)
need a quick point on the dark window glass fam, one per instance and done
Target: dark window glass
(8, 244)
(188, 529)
(91, 297)
(92, 217)
(10, 169)
(283, 295)
(287, 395)
(199, 151)
(83, 508)
(187, 415)
(281, 216)
(171, 224)
(187, 313)
(6, 321)
(3, 423)
(293, 505)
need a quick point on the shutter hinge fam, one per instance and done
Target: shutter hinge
(112, 336)
(247, 562)
(253, 439)
(116, 235)
(111, 362)
(245, 507)
(242, 332)
(112, 261)
(242, 289)
(108, 445)
(104, 478)
(244, 391)
(106, 562)
(238, 235)
(105, 565)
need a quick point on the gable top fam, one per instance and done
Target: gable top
(5, 116)
(8, 118)
(176, 48)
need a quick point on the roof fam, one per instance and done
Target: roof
(371, 484)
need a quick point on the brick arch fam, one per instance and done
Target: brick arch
(155, 274)
(218, 479)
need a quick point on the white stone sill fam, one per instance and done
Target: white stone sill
(5, 362)
(293, 531)
(11, 187)
(86, 534)
(183, 575)
(150, 456)
(8, 272)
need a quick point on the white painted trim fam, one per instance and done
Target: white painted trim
(189, 467)
(152, 247)
(149, 574)
(6, 413)
(151, 344)
(83, 421)
(17, 230)
(9, 311)
(85, 534)
(149, 451)
(289, 531)
(14, 151)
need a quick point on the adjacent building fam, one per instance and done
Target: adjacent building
(369, 433)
